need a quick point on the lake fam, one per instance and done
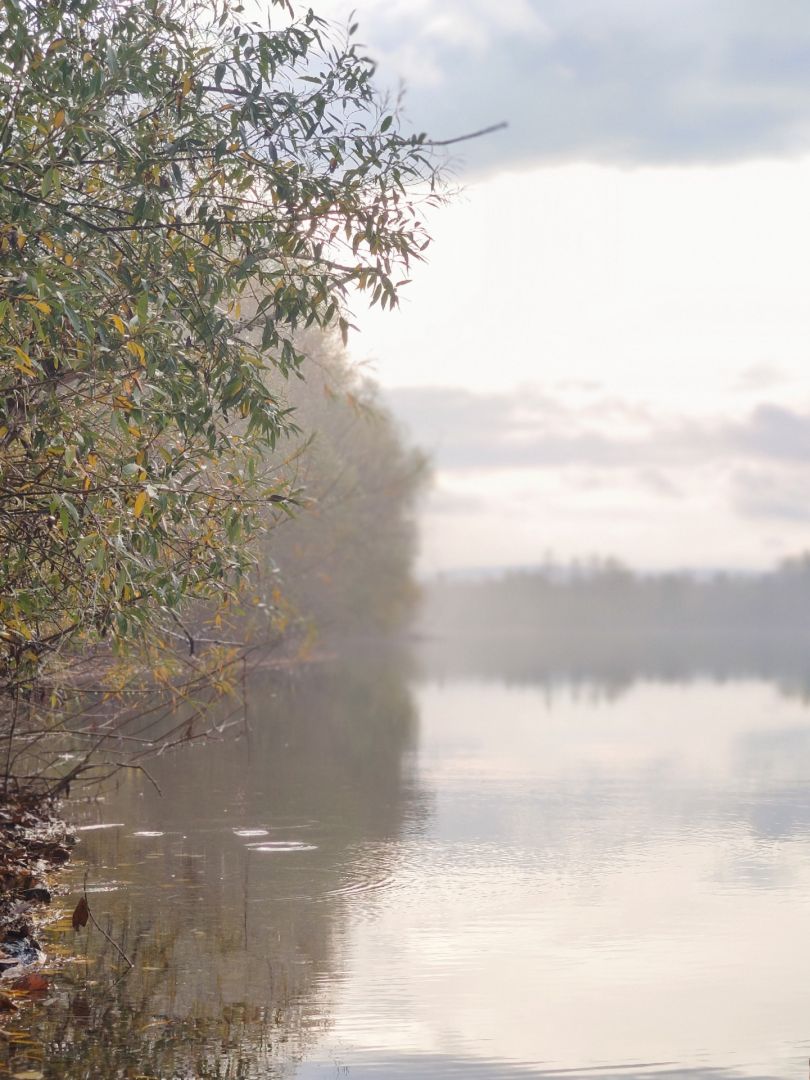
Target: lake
(409, 867)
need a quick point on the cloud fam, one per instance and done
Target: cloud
(775, 432)
(601, 80)
(446, 501)
(759, 377)
(773, 494)
(527, 429)
(659, 483)
(760, 465)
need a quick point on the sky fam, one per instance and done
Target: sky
(607, 350)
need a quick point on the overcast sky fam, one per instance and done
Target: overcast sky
(608, 350)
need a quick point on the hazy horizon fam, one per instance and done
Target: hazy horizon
(585, 564)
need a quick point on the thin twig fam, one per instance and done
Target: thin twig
(11, 740)
(101, 929)
(139, 768)
(472, 135)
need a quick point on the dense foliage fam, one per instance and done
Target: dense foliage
(162, 164)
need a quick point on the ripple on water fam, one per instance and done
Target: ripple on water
(251, 832)
(364, 885)
(275, 847)
(148, 832)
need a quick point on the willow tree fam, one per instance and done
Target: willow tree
(159, 161)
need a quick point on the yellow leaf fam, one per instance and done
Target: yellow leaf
(40, 305)
(186, 83)
(118, 323)
(24, 364)
(3, 431)
(57, 43)
(140, 503)
(87, 57)
(137, 351)
(59, 118)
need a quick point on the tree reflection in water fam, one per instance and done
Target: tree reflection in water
(235, 948)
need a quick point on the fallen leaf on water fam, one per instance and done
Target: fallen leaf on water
(81, 914)
(19, 1038)
(31, 983)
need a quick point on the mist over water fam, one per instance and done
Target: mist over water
(291, 313)
(456, 862)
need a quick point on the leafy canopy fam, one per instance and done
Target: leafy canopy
(161, 162)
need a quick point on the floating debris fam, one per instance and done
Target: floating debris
(107, 825)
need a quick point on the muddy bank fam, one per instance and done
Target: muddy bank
(34, 843)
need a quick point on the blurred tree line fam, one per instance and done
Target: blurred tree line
(605, 597)
(342, 562)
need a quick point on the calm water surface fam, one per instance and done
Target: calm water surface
(406, 873)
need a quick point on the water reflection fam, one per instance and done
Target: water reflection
(442, 875)
(235, 945)
(607, 664)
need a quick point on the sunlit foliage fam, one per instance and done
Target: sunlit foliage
(161, 163)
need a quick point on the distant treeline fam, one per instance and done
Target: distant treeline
(605, 597)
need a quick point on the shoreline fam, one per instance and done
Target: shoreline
(35, 843)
